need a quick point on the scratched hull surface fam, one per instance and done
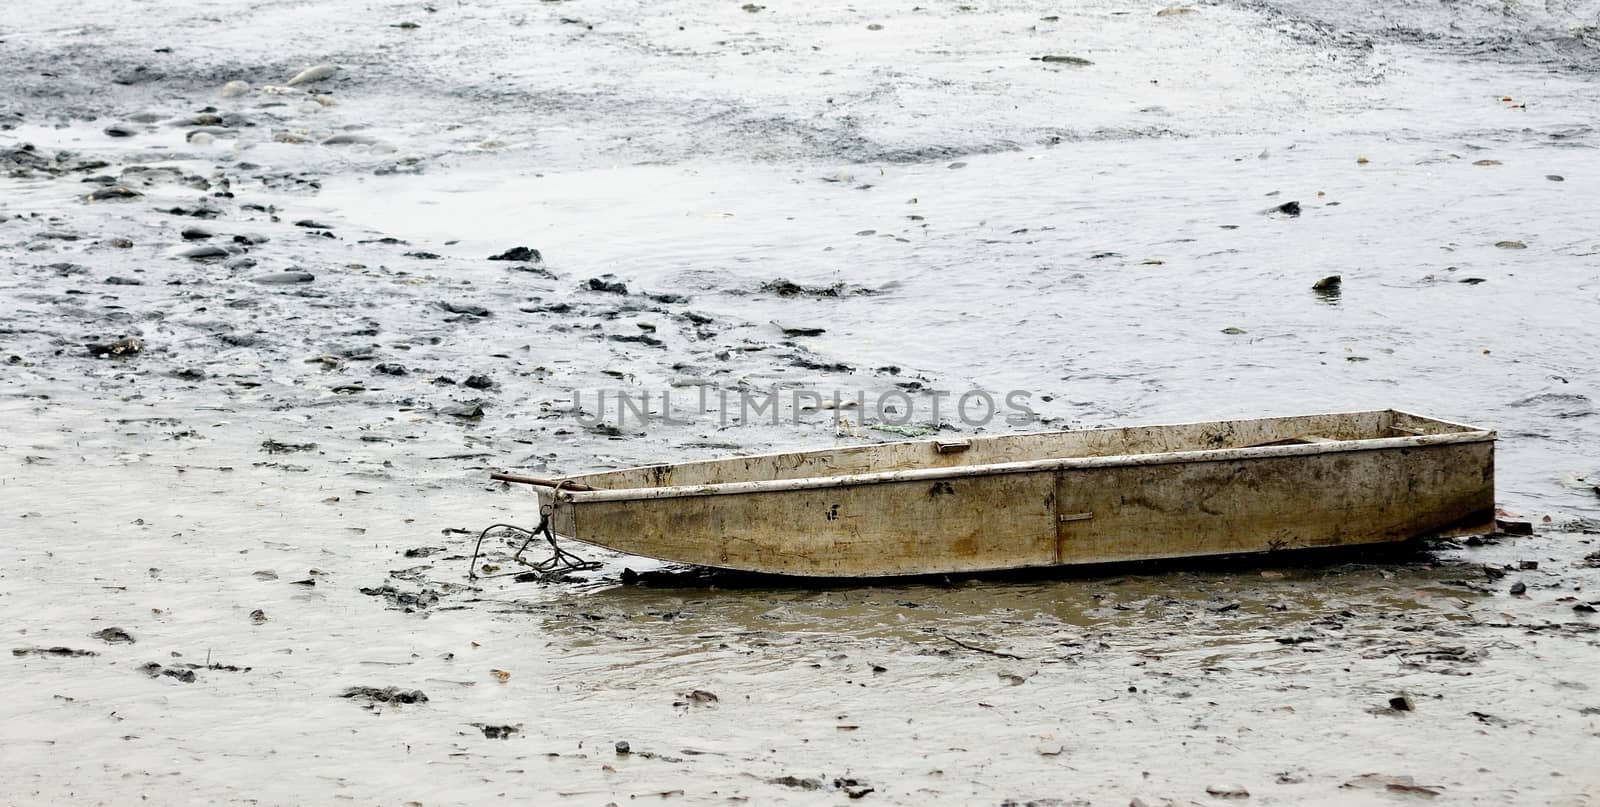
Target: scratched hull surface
(1048, 499)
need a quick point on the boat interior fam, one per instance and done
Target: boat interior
(945, 452)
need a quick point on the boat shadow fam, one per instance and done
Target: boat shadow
(1417, 551)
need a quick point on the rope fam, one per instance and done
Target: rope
(560, 560)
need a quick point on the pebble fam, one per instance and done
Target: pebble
(126, 346)
(471, 410)
(610, 287)
(113, 636)
(351, 140)
(1510, 245)
(525, 254)
(312, 74)
(1075, 61)
(800, 330)
(466, 309)
(115, 192)
(1228, 791)
(204, 253)
(283, 278)
(234, 89)
(195, 233)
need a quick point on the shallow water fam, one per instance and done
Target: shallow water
(1084, 234)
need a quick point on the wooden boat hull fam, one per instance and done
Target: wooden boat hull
(1015, 501)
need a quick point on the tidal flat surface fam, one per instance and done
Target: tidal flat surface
(256, 364)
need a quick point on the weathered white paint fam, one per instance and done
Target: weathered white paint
(1049, 498)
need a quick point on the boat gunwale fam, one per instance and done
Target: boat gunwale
(1468, 434)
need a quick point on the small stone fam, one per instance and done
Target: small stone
(1510, 245)
(113, 193)
(1232, 331)
(465, 309)
(478, 382)
(524, 254)
(195, 233)
(800, 330)
(310, 75)
(1513, 526)
(284, 278)
(117, 130)
(1519, 588)
(623, 749)
(1555, 177)
(1075, 61)
(234, 89)
(471, 410)
(258, 617)
(1228, 791)
(1402, 703)
(607, 286)
(127, 346)
(113, 636)
(207, 252)
(1290, 209)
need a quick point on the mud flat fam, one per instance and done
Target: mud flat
(282, 283)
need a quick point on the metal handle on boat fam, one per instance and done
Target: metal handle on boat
(543, 483)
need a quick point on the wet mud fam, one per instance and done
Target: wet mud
(283, 283)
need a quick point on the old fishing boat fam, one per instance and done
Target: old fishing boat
(1045, 499)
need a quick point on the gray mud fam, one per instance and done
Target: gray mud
(256, 362)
